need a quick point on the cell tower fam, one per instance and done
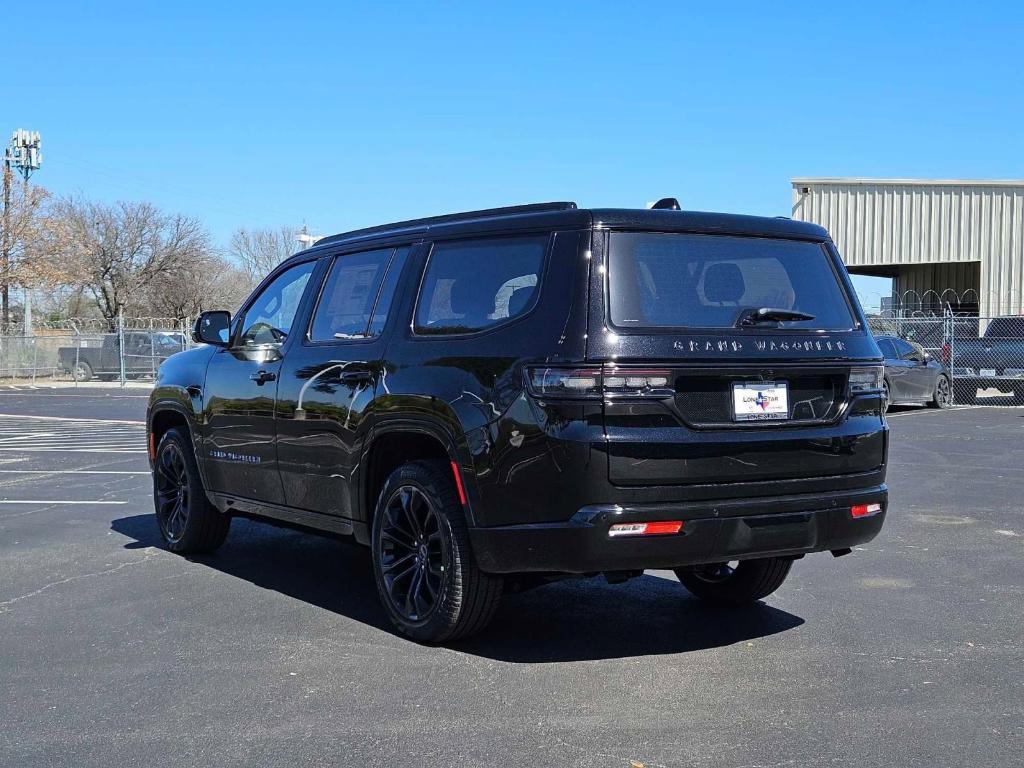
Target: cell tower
(23, 154)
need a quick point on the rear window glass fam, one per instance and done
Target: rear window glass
(711, 281)
(475, 284)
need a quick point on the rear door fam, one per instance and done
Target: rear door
(742, 402)
(328, 380)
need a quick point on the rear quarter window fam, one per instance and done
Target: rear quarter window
(473, 285)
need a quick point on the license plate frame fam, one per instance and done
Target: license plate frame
(754, 401)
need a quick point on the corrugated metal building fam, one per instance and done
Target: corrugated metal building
(960, 242)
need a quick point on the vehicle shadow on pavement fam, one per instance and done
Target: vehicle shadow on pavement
(573, 620)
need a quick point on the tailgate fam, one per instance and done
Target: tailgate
(695, 437)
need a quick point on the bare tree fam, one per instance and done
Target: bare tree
(32, 250)
(207, 282)
(118, 251)
(258, 251)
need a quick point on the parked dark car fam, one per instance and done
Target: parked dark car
(993, 361)
(913, 375)
(511, 396)
(144, 351)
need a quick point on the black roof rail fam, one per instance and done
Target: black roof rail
(487, 213)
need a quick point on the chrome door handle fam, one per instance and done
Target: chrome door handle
(262, 377)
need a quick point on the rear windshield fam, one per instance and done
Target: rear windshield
(711, 281)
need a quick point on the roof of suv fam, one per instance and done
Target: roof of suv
(566, 214)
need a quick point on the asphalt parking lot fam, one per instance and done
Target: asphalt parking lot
(274, 651)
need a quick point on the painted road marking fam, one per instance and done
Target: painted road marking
(25, 434)
(56, 501)
(71, 472)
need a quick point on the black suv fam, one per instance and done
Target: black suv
(511, 396)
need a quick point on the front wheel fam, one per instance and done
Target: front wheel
(886, 396)
(735, 583)
(942, 396)
(426, 576)
(188, 522)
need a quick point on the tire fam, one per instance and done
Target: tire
(82, 371)
(942, 395)
(426, 576)
(886, 401)
(750, 580)
(965, 393)
(189, 523)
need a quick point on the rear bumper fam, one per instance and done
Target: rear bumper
(713, 531)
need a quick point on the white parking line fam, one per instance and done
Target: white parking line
(56, 501)
(70, 418)
(71, 472)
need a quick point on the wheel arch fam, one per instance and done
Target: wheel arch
(165, 415)
(392, 444)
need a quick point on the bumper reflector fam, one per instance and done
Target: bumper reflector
(658, 528)
(865, 510)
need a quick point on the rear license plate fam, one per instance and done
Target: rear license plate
(760, 400)
(987, 372)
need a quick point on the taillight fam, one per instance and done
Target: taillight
(566, 383)
(945, 353)
(865, 510)
(866, 379)
(657, 528)
(594, 383)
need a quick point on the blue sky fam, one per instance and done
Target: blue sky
(341, 115)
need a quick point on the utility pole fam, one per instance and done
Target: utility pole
(23, 154)
(5, 259)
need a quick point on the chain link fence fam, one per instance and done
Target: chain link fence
(983, 356)
(86, 351)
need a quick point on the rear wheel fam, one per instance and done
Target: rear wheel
(188, 522)
(82, 371)
(735, 583)
(426, 576)
(942, 396)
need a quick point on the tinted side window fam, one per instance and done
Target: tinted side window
(347, 300)
(475, 284)
(268, 320)
(905, 350)
(888, 350)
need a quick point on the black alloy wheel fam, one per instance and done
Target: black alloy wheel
(423, 564)
(172, 493)
(188, 522)
(412, 554)
(735, 583)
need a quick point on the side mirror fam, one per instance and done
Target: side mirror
(212, 327)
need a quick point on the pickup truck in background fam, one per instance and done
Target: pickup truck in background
(994, 361)
(143, 353)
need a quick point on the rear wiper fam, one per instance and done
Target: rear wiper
(770, 315)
